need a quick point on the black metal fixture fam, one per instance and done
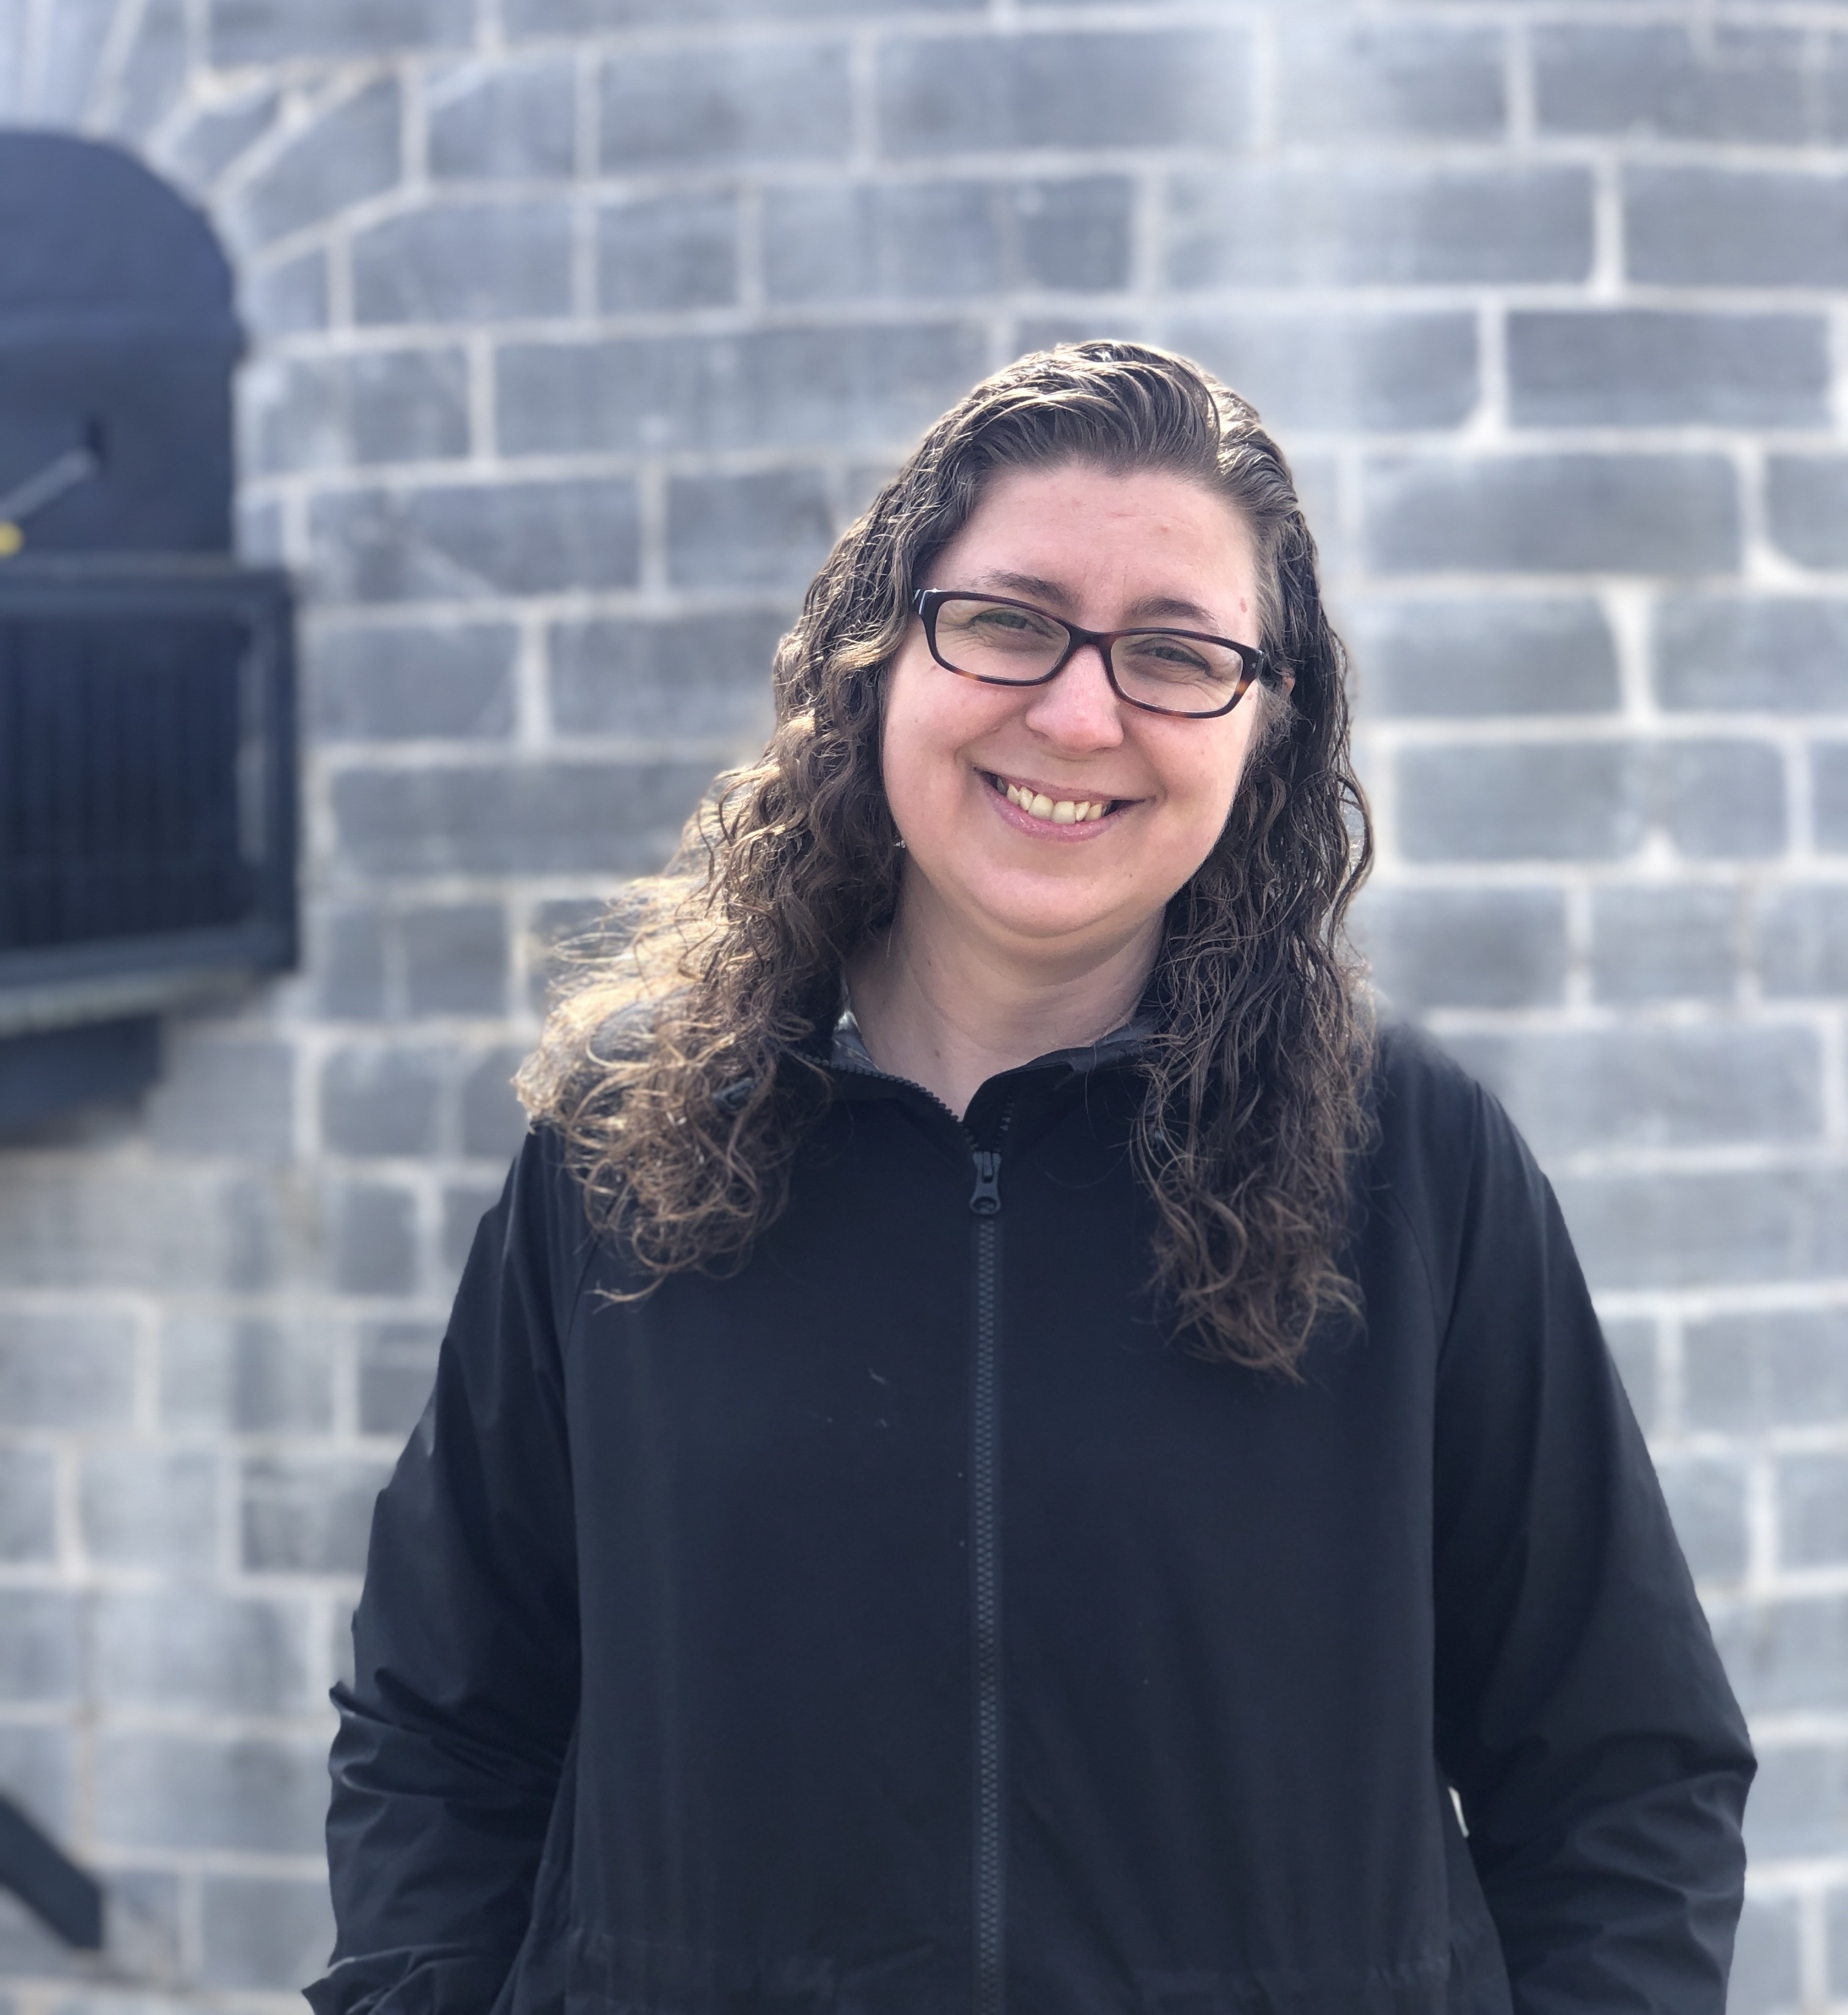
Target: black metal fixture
(147, 755)
(48, 1882)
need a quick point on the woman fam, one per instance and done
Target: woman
(1001, 1450)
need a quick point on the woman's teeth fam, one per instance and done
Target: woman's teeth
(1059, 811)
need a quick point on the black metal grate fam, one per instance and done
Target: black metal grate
(146, 799)
(119, 749)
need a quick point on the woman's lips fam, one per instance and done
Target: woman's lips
(1035, 808)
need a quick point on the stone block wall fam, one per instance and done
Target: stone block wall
(579, 329)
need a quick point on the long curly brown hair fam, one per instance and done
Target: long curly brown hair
(683, 1069)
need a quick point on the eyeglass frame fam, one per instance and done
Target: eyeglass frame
(1258, 668)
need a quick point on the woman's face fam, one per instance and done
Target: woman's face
(1103, 551)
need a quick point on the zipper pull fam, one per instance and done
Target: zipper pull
(986, 1200)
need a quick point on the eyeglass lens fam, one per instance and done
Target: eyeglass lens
(1012, 646)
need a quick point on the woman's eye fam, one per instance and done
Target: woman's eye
(1165, 653)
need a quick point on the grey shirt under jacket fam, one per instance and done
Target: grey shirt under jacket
(905, 1626)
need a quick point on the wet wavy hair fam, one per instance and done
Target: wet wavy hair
(679, 1068)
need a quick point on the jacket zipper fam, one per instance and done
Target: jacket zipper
(985, 1201)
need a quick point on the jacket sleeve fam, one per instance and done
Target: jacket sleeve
(1601, 1762)
(453, 1733)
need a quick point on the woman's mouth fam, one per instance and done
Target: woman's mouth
(1041, 805)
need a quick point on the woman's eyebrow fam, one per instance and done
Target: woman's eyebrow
(1035, 588)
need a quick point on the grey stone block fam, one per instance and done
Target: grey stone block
(1837, 1938)
(477, 540)
(677, 251)
(1658, 81)
(1649, 366)
(1774, 654)
(38, 1771)
(1706, 1500)
(266, 31)
(1151, 86)
(1714, 1228)
(259, 535)
(288, 299)
(1802, 942)
(1522, 801)
(149, 1508)
(1767, 1976)
(1812, 1497)
(1655, 942)
(1799, 1806)
(391, 682)
(1782, 1368)
(466, 262)
(722, 104)
(180, 1649)
(1652, 1087)
(212, 136)
(28, 1506)
(1633, 1345)
(387, 1101)
(309, 1514)
(1465, 947)
(1786, 1656)
(154, 69)
(493, 1122)
(455, 959)
(769, 530)
(883, 241)
(1725, 227)
(578, 17)
(1828, 794)
(801, 388)
(1385, 223)
(504, 120)
(1431, 656)
(336, 412)
(104, 1224)
(353, 151)
(463, 1205)
(65, 1371)
(375, 1239)
(260, 1931)
(41, 1645)
(569, 817)
(254, 1794)
(347, 959)
(703, 678)
(1806, 508)
(1564, 513)
(221, 1094)
(1344, 81)
(245, 1374)
(397, 1365)
(1720, 800)
(1073, 234)
(1330, 371)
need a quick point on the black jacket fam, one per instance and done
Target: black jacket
(904, 1626)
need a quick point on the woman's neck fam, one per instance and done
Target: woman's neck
(949, 1011)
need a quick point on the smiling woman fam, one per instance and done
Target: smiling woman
(1004, 1448)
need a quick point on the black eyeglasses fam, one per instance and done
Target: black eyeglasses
(1006, 643)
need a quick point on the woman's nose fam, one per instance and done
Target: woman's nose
(1080, 708)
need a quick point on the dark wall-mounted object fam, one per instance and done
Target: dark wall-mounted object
(117, 339)
(49, 1882)
(147, 747)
